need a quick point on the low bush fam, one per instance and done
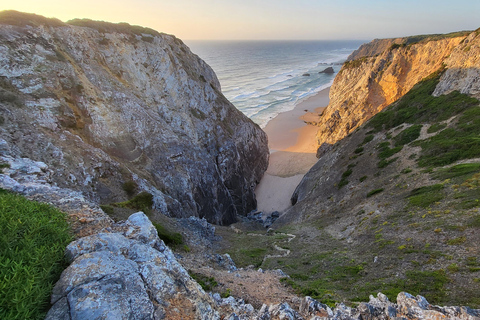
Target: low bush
(170, 238)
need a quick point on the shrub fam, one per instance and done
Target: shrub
(408, 135)
(130, 187)
(33, 237)
(456, 241)
(425, 196)
(170, 238)
(207, 283)
(374, 192)
(142, 201)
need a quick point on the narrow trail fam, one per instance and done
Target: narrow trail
(284, 252)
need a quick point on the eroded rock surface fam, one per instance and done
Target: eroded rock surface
(378, 74)
(103, 104)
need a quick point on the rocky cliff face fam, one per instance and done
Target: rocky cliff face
(103, 104)
(376, 75)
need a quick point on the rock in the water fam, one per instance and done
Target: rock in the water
(328, 70)
(306, 74)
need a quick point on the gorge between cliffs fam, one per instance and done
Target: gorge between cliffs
(127, 132)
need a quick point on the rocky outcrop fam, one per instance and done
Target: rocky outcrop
(463, 68)
(382, 72)
(103, 104)
(328, 70)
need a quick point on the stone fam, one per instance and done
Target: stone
(328, 70)
(124, 276)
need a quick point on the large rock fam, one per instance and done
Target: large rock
(127, 275)
(104, 104)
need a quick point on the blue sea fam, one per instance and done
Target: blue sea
(265, 78)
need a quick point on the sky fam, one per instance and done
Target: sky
(270, 19)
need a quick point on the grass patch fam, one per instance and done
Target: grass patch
(408, 135)
(344, 180)
(255, 254)
(207, 283)
(456, 241)
(453, 144)
(374, 192)
(425, 196)
(461, 170)
(436, 127)
(33, 237)
(130, 187)
(430, 284)
(142, 201)
(170, 238)
(108, 209)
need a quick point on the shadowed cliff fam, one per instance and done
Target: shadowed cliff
(107, 104)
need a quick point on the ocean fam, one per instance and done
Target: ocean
(265, 78)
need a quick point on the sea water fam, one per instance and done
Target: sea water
(265, 78)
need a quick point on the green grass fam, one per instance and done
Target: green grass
(374, 192)
(207, 283)
(460, 170)
(33, 237)
(408, 135)
(130, 187)
(170, 238)
(142, 201)
(426, 196)
(453, 144)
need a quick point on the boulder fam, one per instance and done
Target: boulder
(328, 70)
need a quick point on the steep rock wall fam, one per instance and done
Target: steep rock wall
(104, 104)
(463, 68)
(368, 84)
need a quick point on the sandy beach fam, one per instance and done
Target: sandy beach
(293, 150)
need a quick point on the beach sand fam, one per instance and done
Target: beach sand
(293, 149)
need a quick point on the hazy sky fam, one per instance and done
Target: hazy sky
(270, 19)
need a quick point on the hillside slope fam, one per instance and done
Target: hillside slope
(395, 205)
(113, 110)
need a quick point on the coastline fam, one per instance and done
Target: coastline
(292, 152)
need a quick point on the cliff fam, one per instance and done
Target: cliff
(395, 202)
(376, 75)
(105, 104)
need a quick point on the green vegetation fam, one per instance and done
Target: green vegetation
(122, 27)
(344, 180)
(436, 127)
(460, 170)
(207, 283)
(130, 187)
(408, 135)
(456, 241)
(255, 255)
(15, 18)
(142, 201)
(453, 144)
(354, 63)
(108, 209)
(171, 239)
(419, 106)
(33, 237)
(425, 196)
(374, 192)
